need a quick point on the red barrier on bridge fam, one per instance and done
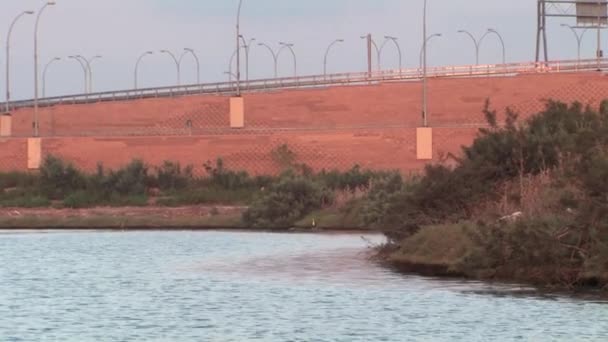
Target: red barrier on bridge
(327, 128)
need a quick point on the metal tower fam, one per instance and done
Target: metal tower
(589, 14)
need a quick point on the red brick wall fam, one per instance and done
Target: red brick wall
(13, 154)
(327, 128)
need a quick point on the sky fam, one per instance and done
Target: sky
(121, 30)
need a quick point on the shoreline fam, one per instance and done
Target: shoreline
(149, 218)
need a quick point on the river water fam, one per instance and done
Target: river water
(220, 286)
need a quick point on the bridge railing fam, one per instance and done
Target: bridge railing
(315, 81)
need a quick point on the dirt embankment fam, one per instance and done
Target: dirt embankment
(195, 217)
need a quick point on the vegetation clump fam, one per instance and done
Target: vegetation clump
(533, 194)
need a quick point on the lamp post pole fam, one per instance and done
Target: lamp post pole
(476, 42)
(198, 65)
(394, 40)
(579, 39)
(88, 63)
(137, 66)
(238, 50)
(327, 53)
(46, 67)
(424, 81)
(274, 57)
(295, 61)
(436, 35)
(36, 124)
(373, 43)
(247, 46)
(85, 70)
(502, 43)
(8, 58)
(176, 64)
(236, 53)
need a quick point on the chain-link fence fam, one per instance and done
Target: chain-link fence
(334, 128)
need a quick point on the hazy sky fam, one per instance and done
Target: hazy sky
(121, 30)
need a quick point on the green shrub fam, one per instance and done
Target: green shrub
(118, 200)
(26, 202)
(58, 178)
(227, 179)
(130, 180)
(81, 199)
(289, 199)
(10, 180)
(208, 195)
(171, 176)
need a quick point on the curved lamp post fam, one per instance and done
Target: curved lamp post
(295, 61)
(502, 43)
(236, 52)
(327, 53)
(176, 64)
(137, 65)
(424, 81)
(376, 48)
(198, 65)
(274, 57)
(8, 58)
(423, 62)
(424, 46)
(46, 67)
(476, 42)
(36, 124)
(85, 70)
(579, 39)
(88, 62)
(394, 40)
(238, 49)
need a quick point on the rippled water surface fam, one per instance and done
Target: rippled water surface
(218, 286)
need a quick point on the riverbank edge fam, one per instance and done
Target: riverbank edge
(439, 252)
(149, 218)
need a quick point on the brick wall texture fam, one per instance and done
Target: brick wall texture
(333, 128)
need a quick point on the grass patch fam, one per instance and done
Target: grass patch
(208, 195)
(442, 246)
(333, 218)
(228, 221)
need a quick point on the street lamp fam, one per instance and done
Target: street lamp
(176, 64)
(198, 65)
(8, 57)
(247, 46)
(423, 49)
(88, 63)
(137, 65)
(238, 50)
(502, 43)
(579, 39)
(44, 74)
(36, 124)
(394, 40)
(373, 42)
(274, 57)
(476, 42)
(85, 70)
(424, 81)
(295, 62)
(327, 53)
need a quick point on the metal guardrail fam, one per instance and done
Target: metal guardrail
(316, 81)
